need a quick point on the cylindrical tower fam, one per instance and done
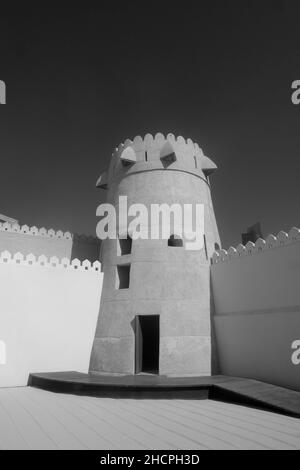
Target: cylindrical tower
(155, 307)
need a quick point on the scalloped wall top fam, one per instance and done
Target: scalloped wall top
(176, 153)
(51, 262)
(282, 239)
(150, 142)
(43, 232)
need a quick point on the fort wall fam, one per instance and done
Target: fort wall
(256, 291)
(40, 241)
(49, 309)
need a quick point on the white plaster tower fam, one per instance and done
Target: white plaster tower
(155, 307)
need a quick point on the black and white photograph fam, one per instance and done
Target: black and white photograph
(149, 229)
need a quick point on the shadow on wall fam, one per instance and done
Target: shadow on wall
(215, 364)
(85, 248)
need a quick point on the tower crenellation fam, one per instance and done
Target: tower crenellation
(156, 152)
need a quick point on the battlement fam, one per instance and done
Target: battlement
(161, 151)
(47, 233)
(42, 232)
(153, 145)
(16, 238)
(282, 239)
(49, 262)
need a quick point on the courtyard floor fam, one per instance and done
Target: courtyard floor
(36, 419)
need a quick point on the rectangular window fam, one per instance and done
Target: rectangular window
(124, 246)
(123, 277)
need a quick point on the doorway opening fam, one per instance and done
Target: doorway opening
(147, 344)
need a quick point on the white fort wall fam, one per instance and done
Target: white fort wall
(48, 315)
(256, 293)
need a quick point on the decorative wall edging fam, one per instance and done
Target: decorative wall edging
(282, 239)
(157, 142)
(53, 262)
(42, 232)
(47, 233)
(152, 149)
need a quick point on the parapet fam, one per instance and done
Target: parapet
(51, 262)
(282, 239)
(42, 232)
(25, 239)
(168, 152)
(47, 233)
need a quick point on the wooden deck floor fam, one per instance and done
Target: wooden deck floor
(36, 419)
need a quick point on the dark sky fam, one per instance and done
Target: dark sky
(81, 79)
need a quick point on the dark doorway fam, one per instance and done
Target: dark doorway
(147, 344)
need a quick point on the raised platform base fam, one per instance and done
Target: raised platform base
(233, 389)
